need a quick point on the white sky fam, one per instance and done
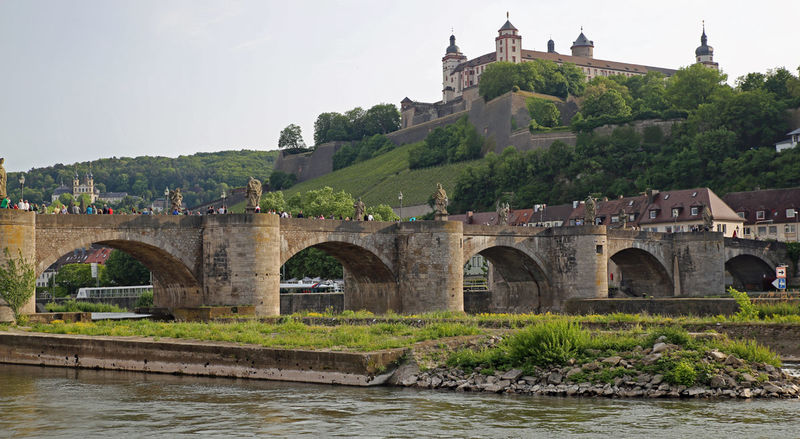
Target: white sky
(85, 79)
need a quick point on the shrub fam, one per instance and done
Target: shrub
(674, 334)
(145, 300)
(543, 112)
(17, 282)
(75, 306)
(746, 309)
(682, 373)
(547, 343)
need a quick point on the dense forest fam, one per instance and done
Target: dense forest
(725, 142)
(202, 177)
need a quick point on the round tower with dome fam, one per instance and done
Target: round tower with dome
(582, 46)
(452, 58)
(704, 54)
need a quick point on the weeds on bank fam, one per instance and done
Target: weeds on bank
(75, 306)
(558, 343)
(289, 334)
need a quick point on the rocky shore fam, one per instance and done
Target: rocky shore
(735, 378)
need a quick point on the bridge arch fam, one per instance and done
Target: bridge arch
(370, 282)
(174, 282)
(518, 282)
(640, 273)
(750, 272)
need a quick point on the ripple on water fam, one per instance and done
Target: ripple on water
(37, 402)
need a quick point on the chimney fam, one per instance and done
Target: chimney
(651, 195)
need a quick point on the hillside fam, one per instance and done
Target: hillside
(202, 176)
(381, 179)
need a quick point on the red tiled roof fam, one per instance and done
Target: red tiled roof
(773, 202)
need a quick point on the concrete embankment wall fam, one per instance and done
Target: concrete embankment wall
(198, 358)
(666, 307)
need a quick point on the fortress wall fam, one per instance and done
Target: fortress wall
(308, 166)
(640, 125)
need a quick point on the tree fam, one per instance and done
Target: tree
(692, 86)
(313, 262)
(273, 201)
(322, 202)
(601, 101)
(544, 113)
(72, 277)
(122, 269)
(17, 281)
(279, 180)
(382, 119)
(382, 212)
(291, 138)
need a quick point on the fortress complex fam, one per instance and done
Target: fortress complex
(460, 76)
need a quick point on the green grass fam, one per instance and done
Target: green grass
(290, 334)
(75, 306)
(381, 179)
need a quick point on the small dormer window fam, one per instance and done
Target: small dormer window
(675, 212)
(741, 214)
(695, 211)
(653, 214)
(760, 214)
(790, 213)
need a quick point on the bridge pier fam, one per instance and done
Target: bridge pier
(430, 267)
(241, 262)
(17, 234)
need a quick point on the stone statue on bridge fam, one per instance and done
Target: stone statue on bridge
(3, 179)
(590, 212)
(358, 210)
(503, 210)
(440, 203)
(175, 200)
(253, 194)
(708, 220)
(623, 218)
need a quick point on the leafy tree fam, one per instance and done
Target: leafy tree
(323, 201)
(71, 277)
(602, 101)
(273, 201)
(17, 281)
(291, 138)
(122, 269)
(279, 180)
(382, 119)
(356, 124)
(453, 143)
(695, 85)
(382, 212)
(366, 149)
(313, 262)
(543, 113)
(539, 76)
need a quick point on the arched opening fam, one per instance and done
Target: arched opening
(749, 273)
(514, 283)
(174, 285)
(367, 283)
(635, 272)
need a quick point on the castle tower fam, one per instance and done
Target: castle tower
(583, 46)
(452, 58)
(551, 46)
(705, 54)
(508, 43)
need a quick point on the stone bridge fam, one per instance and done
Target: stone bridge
(408, 267)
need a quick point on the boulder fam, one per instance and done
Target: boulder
(612, 361)
(718, 382)
(659, 347)
(651, 359)
(511, 375)
(717, 355)
(574, 371)
(555, 378)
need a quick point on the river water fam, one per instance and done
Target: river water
(58, 402)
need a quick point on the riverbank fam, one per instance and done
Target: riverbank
(554, 356)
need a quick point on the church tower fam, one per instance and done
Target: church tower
(76, 182)
(705, 54)
(452, 58)
(583, 46)
(508, 43)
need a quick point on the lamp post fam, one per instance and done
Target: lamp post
(166, 197)
(22, 186)
(400, 197)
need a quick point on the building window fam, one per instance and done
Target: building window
(631, 217)
(675, 212)
(789, 213)
(760, 214)
(653, 214)
(615, 219)
(695, 210)
(773, 230)
(741, 214)
(747, 230)
(762, 230)
(788, 228)
(668, 229)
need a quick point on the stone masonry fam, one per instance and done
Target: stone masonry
(408, 267)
